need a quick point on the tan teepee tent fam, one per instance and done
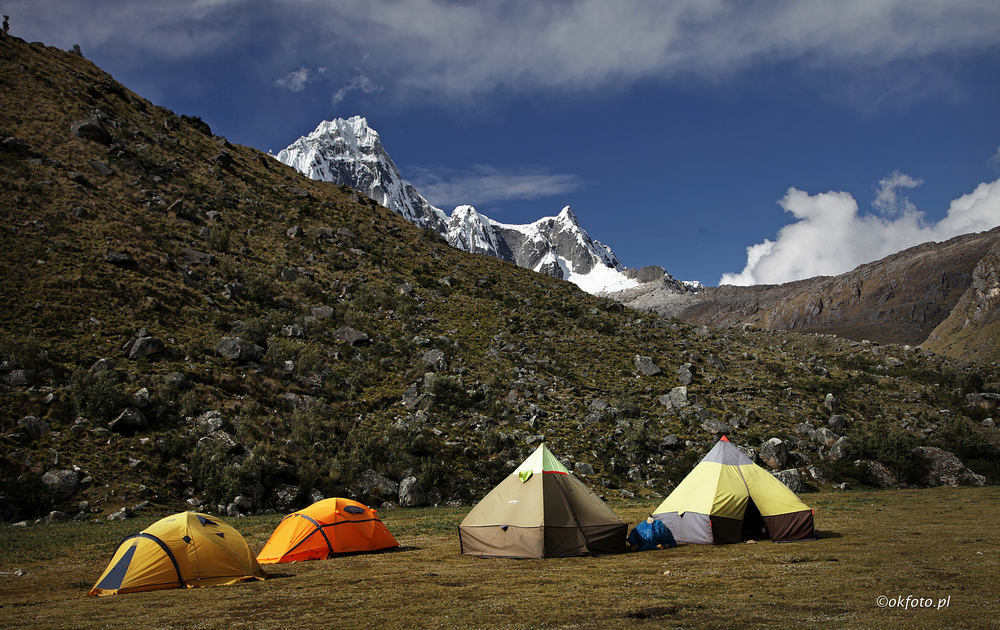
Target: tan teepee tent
(541, 511)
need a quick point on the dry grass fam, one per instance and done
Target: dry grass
(934, 544)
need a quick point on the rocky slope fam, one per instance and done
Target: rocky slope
(190, 323)
(899, 299)
(971, 330)
(349, 152)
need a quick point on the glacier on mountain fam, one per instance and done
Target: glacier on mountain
(349, 152)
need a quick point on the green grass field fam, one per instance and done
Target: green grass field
(940, 548)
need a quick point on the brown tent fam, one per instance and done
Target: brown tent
(541, 511)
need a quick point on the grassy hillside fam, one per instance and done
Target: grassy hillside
(134, 241)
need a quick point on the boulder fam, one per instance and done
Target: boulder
(34, 426)
(20, 378)
(239, 350)
(840, 449)
(684, 374)
(945, 469)
(583, 468)
(646, 366)
(91, 129)
(371, 483)
(774, 453)
(350, 336)
(129, 422)
(716, 426)
(837, 422)
(411, 494)
(146, 346)
(678, 398)
(880, 474)
(436, 359)
(792, 479)
(62, 482)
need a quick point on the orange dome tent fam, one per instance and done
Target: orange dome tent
(183, 550)
(326, 528)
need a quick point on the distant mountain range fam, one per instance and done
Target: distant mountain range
(902, 298)
(349, 152)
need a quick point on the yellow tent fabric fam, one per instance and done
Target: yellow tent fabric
(185, 550)
(711, 504)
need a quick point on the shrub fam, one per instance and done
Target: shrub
(892, 447)
(24, 497)
(98, 397)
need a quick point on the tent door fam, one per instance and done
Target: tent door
(754, 527)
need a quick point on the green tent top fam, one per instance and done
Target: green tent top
(541, 461)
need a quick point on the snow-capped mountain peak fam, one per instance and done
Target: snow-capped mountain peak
(349, 152)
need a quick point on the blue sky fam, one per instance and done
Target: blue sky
(757, 141)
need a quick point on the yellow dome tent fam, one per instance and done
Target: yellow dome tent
(727, 498)
(186, 550)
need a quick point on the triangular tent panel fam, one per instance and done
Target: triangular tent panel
(727, 498)
(326, 528)
(541, 511)
(184, 550)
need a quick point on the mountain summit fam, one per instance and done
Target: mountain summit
(349, 152)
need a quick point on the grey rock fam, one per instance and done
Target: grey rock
(62, 482)
(792, 479)
(323, 312)
(646, 366)
(129, 422)
(34, 426)
(804, 428)
(436, 359)
(774, 453)
(837, 422)
(823, 436)
(238, 350)
(102, 168)
(840, 449)
(234, 290)
(351, 336)
(146, 346)
(373, 484)
(670, 442)
(56, 516)
(716, 362)
(411, 494)
(945, 469)
(121, 515)
(20, 378)
(830, 403)
(716, 426)
(102, 365)
(584, 468)
(295, 232)
(678, 397)
(120, 259)
(880, 474)
(91, 129)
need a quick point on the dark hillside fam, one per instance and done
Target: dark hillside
(185, 319)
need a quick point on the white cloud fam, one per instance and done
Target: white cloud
(994, 162)
(449, 50)
(297, 81)
(358, 83)
(830, 237)
(888, 201)
(483, 184)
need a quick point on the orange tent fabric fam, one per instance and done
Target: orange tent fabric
(326, 528)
